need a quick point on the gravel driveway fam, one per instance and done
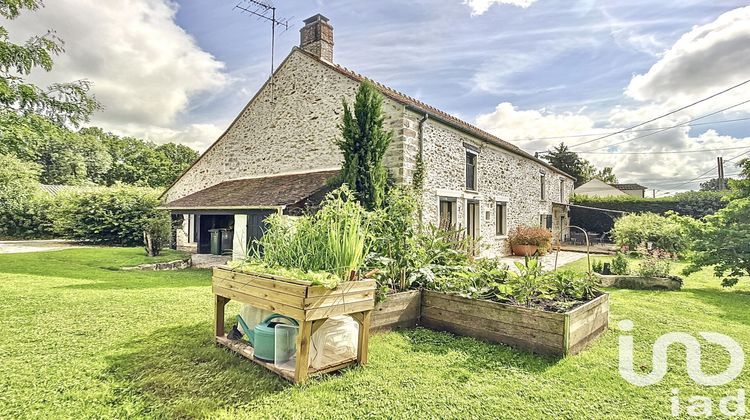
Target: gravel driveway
(15, 247)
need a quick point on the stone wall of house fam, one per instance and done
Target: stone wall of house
(501, 177)
(293, 133)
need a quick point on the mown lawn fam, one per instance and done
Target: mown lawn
(81, 339)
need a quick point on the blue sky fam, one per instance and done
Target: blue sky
(518, 68)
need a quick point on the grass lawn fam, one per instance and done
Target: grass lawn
(78, 338)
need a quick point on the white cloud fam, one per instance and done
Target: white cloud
(479, 7)
(145, 69)
(528, 129)
(703, 61)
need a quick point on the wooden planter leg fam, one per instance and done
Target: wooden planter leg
(220, 302)
(303, 352)
(364, 336)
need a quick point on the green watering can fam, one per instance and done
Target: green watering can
(263, 337)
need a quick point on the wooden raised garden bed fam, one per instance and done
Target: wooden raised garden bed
(528, 329)
(640, 283)
(309, 305)
(398, 310)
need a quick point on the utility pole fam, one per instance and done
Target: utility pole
(720, 165)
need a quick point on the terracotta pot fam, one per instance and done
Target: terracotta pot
(524, 250)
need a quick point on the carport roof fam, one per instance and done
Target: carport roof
(267, 192)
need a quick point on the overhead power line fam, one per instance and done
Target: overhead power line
(661, 130)
(664, 115)
(713, 168)
(663, 152)
(632, 131)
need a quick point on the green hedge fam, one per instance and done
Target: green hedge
(693, 204)
(111, 216)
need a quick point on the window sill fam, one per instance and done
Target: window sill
(501, 236)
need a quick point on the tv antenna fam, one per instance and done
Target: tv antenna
(265, 12)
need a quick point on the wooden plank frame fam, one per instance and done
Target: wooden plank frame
(309, 305)
(551, 333)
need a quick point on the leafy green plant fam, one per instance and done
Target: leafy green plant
(528, 283)
(620, 265)
(654, 264)
(157, 234)
(597, 266)
(571, 285)
(333, 240)
(723, 241)
(393, 240)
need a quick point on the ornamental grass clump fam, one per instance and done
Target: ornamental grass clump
(332, 241)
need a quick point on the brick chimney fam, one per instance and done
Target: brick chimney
(316, 37)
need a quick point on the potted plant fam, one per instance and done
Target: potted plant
(528, 240)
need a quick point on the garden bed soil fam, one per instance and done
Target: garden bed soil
(398, 310)
(640, 283)
(529, 329)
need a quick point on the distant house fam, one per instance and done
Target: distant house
(597, 188)
(631, 189)
(280, 154)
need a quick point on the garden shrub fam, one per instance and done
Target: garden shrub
(668, 233)
(24, 207)
(619, 265)
(654, 264)
(693, 204)
(157, 234)
(597, 266)
(111, 216)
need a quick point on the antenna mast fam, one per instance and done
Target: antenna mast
(267, 12)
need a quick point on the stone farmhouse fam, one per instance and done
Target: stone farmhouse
(279, 153)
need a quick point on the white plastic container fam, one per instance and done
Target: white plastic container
(285, 346)
(252, 316)
(334, 342)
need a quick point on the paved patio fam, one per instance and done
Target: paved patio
(548, 261)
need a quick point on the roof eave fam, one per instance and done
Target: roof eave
(201, 208)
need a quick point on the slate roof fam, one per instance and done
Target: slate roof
(628, 187)
(270, 191)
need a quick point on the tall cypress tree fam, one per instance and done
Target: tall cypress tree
(363, 143)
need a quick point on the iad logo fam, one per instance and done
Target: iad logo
(699, 405)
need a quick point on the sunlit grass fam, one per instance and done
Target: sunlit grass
(80, 339)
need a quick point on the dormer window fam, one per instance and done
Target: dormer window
(471, 170)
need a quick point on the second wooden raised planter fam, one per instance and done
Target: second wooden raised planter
(528, 329)
(398, 310)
